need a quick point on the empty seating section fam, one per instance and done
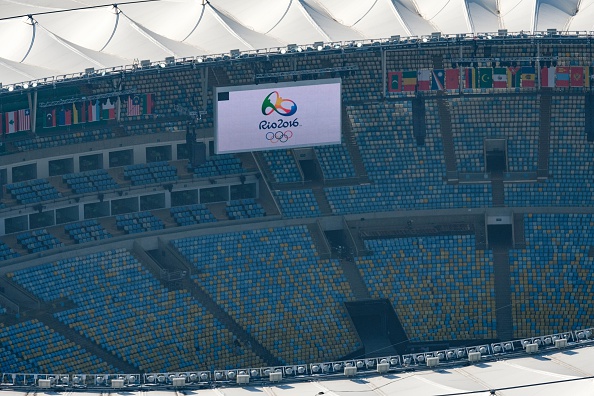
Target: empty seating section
(283, 166)
(33, 345)
(63, 139)
(406, 176)
(441, 287)
(38, 241)
(124, 309)
(551, 277)
(6, 252)
(155, 127)
(32, 191)
(298, 203)
(570, 179)
(90, 181)
(335, 161)
(86, 231)
(244, 209)
(365, 83)
(272, 283)
(11, 363)
(218, 165)
(192, 214)
(133, 223)
(513, 118)
(153, 172)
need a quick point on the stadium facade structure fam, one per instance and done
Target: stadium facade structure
(428, 181)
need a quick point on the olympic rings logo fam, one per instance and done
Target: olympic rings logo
(279, 136)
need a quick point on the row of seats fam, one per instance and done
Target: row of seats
(90, 181)
(244, 209)
(32, 191)
(63, 139)
(6, 252)
(86, 231)
(38, 241)
(150, 173)
(132, 223)
(116, 300)
(283, 166)
(335, 162)
(219, 165)
(271, 281)
(192, 214)
(298, 203)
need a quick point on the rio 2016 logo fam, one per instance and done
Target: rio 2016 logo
(275, 103)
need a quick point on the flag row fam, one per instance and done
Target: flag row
(489, 77)
(80, 113)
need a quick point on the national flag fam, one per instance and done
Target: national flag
(562, 76)
(547, 77)
(75, 114)
(513, 76)
(50, 118)
(93, 111)
(133, 106)
(108, 110)
(500, 77)
(409, 80)
(485, 77)
(452, 79)
(577, 76)
(147, 104)
(438, 80)
(24, 118)
(11, 122)
(470, 77)
(424, 79)
(394, 81)
(528, 77)
(62, 117)
(68, 116)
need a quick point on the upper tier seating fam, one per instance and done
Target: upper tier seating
(219, 165)
(298, 203)
(38, 241)
(86, 231)
(335, 162)
(132, 223)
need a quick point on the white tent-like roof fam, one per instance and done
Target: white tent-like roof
(57, 37)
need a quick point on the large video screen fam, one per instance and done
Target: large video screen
(277, 116)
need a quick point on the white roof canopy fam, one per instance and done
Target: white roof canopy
(68, 36)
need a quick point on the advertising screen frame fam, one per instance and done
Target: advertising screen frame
(332, 138)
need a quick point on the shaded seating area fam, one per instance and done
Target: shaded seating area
(6, 252)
